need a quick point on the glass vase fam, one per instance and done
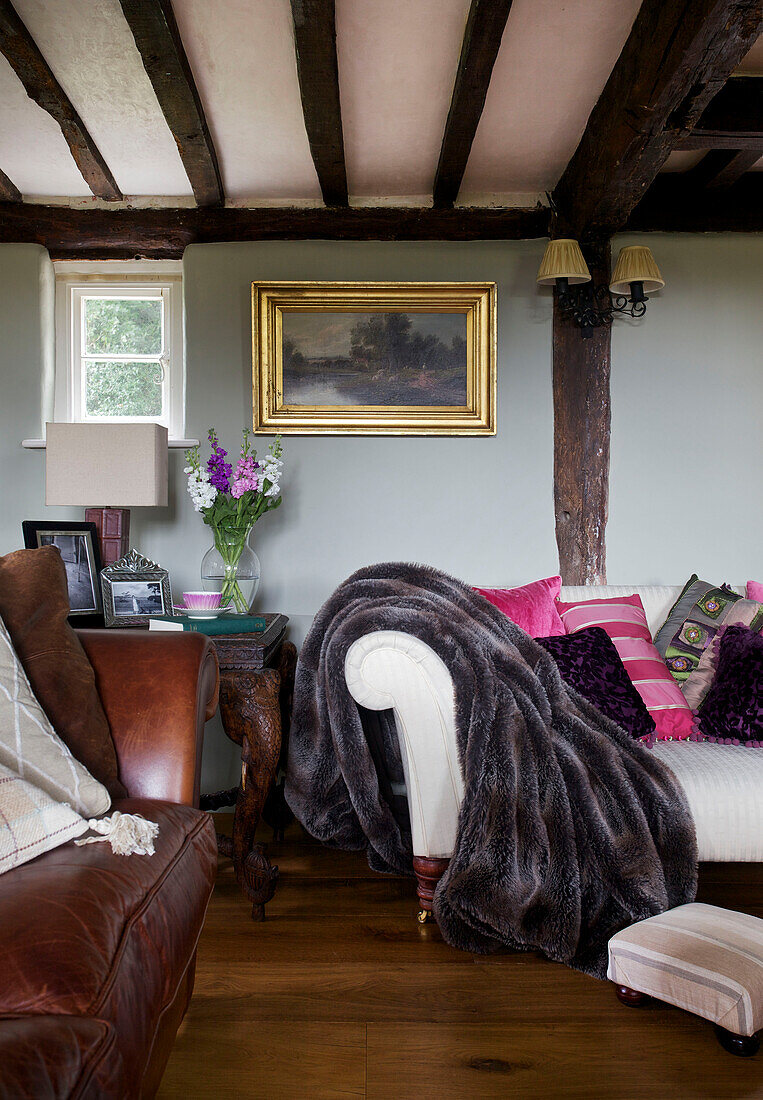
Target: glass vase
(231, 567)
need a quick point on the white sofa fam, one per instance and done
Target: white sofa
(392, 670)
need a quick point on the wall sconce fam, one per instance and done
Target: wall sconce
(590, 305)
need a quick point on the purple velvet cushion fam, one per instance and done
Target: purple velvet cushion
(733, 708)
(589, 663)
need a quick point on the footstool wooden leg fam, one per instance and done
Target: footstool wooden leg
(744, 1046)
(630, 997)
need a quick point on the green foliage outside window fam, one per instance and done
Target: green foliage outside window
(124, 389)
(123, 326)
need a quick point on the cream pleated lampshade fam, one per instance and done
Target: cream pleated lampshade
(635, 264)
(563, 260)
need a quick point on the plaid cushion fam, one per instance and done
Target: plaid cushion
(31, 822)
(698, 957)
(31, 748)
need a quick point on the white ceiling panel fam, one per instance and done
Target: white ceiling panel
(682, 160)
(397, 65)
(93, 55)
(243, 61)
(33, 153)
(554, 61)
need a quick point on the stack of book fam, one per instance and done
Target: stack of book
(223, 624)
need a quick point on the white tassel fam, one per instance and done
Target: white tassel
(128, 834)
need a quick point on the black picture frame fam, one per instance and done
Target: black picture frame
(77, 542)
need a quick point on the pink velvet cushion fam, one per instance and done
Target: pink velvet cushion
(624, 620)
(532, 607)
(755, 591)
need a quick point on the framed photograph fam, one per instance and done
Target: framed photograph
(134, 589)
(78, 545)
(374, 358)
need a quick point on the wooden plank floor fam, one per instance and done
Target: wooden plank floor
(340, 993)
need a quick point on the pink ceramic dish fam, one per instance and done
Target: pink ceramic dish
(202, 601)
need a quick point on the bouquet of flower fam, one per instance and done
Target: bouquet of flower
(231, 501)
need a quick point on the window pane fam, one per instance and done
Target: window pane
(123, 326)
(123, 389)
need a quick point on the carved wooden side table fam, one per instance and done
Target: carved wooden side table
(256, 686)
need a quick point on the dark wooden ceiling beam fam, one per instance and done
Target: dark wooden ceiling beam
(482, 39)
(737, 106)
(674, 205)
(40, 84)
(721, 168)
(735, 168)
(678, 55)
(722, 139)
(157, 37)
(9, 192)
(158, 234)
(318, 72)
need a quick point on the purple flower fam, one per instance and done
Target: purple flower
(218, 469)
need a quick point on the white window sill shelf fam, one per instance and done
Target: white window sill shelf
(176, 444)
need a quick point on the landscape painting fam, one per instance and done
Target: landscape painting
(373, 358)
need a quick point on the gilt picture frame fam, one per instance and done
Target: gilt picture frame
(374, 358)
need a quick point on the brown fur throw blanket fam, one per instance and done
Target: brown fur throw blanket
(569, 830)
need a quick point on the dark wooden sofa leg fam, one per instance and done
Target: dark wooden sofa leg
(428, 873)
(630, 997)
(744, 1046)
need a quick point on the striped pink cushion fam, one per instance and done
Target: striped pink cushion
(624, 620)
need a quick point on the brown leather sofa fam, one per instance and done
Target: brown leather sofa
(97, 951)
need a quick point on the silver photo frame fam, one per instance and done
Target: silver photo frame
(135, 589)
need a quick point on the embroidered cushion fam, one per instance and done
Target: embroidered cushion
(34, 605)
(31, 822)
(624, 620)
(30, 746)
(531, 606)
(685, 638)
(589, 663)
(733, 707)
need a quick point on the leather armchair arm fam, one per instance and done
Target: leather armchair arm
(158, 690)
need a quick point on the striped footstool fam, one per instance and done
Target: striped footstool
(701, 958)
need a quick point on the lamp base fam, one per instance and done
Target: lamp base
(113, 526)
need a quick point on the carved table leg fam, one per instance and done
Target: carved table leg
(250, 710)
(428, 873)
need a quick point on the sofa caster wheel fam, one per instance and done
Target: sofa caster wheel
(633, 998)
(744, 1046)
(425, 916)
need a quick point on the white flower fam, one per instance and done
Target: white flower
(201, 492)
(271, 472)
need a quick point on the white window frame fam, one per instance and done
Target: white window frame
(131, 279)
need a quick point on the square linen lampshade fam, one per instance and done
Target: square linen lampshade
(118, 465)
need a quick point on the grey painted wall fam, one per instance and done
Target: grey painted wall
(687, 393)
(479, 508)
(687, 417)
(26, 355)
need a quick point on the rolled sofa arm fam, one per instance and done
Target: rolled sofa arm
(391, 670)
(158, 690)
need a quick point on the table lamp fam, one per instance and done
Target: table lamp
(117, 466)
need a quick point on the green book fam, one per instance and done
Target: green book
(225, 624)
